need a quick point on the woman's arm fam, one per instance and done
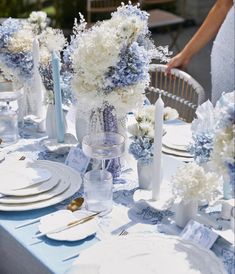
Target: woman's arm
(206, 32)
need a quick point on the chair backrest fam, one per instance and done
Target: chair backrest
(179, 90)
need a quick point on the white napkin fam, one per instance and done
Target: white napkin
(205, 118)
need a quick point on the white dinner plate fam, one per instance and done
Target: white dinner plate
(149, 254)
(175, 152)
(14, 179)
(178, 136)
(35, 189)
(58, 189)
(64, 173)
(62, 218)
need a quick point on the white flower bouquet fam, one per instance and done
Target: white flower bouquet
(111, 60)
(191, 182)
(16, 40)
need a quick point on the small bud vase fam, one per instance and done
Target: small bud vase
(185, 212)
(144, 170)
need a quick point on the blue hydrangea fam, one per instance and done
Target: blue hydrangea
(141, 148)
(131, 69)
(202, 147)
(21, 63)
(7, 29)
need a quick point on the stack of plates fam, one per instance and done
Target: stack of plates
(28, 185)
(177, 140)
(149, 254)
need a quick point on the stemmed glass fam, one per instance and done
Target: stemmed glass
(103, 146)
(98, 183)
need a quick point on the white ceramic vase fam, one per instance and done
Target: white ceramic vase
(144, 170)
(185, 211)
(51, 122)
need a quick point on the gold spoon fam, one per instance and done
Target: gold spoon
(75, 204)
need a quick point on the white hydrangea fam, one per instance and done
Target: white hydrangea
(223, 150)
(191, 182)
(97, 50)
(22, 40)
(53, 39)
(38, 17)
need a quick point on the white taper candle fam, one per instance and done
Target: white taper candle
(158, 130)
(38, 87)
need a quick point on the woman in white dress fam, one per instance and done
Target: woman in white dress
(220, 21)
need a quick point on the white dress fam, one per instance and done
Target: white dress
(222, 58)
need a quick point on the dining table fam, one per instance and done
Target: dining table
(20, 253)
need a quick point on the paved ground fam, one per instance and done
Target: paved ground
(199, 67)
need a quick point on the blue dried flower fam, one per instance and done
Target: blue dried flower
(131, 69)
(21, 63)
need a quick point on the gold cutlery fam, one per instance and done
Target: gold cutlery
(79, 201)
(69, 225)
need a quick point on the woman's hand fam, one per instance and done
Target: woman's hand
(179, 61)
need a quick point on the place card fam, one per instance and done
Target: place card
(199, 234)
(77, 160)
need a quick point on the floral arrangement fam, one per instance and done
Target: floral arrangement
(111, 60)
(142, 130)
(213, 134)
(16, 39)
(223, 154)
(191, 182)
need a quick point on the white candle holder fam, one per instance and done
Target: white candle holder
(54, 146)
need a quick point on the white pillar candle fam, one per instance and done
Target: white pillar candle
(158, 130)
(37, 81)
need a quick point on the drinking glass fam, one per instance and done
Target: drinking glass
(98, 191)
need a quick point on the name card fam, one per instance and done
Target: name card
(199, 234)
(77, 160)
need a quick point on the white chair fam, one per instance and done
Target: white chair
(178, 89)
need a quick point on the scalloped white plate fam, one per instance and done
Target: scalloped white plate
(177, 137)
(63, 217)
(65, 173)
(14, 178)
(149, 254)
(58, 189)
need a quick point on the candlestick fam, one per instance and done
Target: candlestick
(37, 87)
(58, 98)
(156, 180)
